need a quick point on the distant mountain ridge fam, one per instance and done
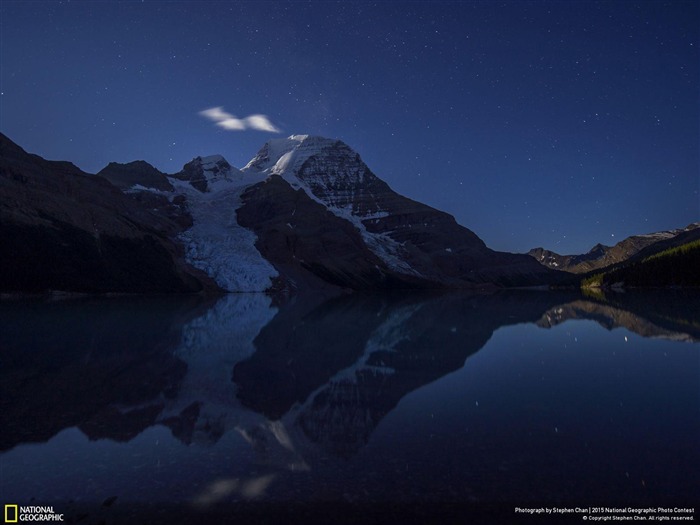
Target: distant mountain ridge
(601, 256)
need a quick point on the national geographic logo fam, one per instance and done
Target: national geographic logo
(16, 514)
(11, 513)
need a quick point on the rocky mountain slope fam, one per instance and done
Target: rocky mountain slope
(65, 230)
(305, 212)
(601, 256)
(320, 216)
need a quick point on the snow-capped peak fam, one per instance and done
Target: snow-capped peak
(202, 172)
(212, 159)
(215, 167)
(283, 156)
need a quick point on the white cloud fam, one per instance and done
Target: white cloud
(227, 121)
(261, 122)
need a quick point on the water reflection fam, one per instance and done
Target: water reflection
(673, 315)
(345, 363)
(104, 366)
(299, 385)
(121, 365)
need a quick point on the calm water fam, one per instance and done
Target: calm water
(237, 410)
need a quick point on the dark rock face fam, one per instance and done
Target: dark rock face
(601, 256)
(66, 258)
(62, 229)
(192, 172)
(308, 245)
(125, 176)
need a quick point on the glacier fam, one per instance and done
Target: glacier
(216, 243)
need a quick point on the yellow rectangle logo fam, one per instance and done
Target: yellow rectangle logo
(11, 513)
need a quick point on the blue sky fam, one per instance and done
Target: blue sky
(555, 124)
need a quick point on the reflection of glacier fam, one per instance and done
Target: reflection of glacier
(205, 406)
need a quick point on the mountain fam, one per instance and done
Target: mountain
(676, 267)
(63, 229)
(126, 176)
(305, 212)
(320, 216)
(601, 256)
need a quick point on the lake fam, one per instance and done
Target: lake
(387, 407)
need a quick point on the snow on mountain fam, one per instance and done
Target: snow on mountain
(215, 167)
(343, 174)
(669, 234)
(216, 243)
(281, 155)
(286, 157)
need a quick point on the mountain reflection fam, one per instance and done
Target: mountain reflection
(342, 365)
(321, 372)
(104, 365)
(673, 315)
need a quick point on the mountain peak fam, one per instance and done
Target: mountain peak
(598, 248)
(211, 163)
(201, 172)
(135, 173)
(279, 156)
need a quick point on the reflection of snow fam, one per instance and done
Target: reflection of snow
(211, 346)
(384, 339)
(341, 414)
(267, 449)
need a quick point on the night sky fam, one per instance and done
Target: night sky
(555, 124)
